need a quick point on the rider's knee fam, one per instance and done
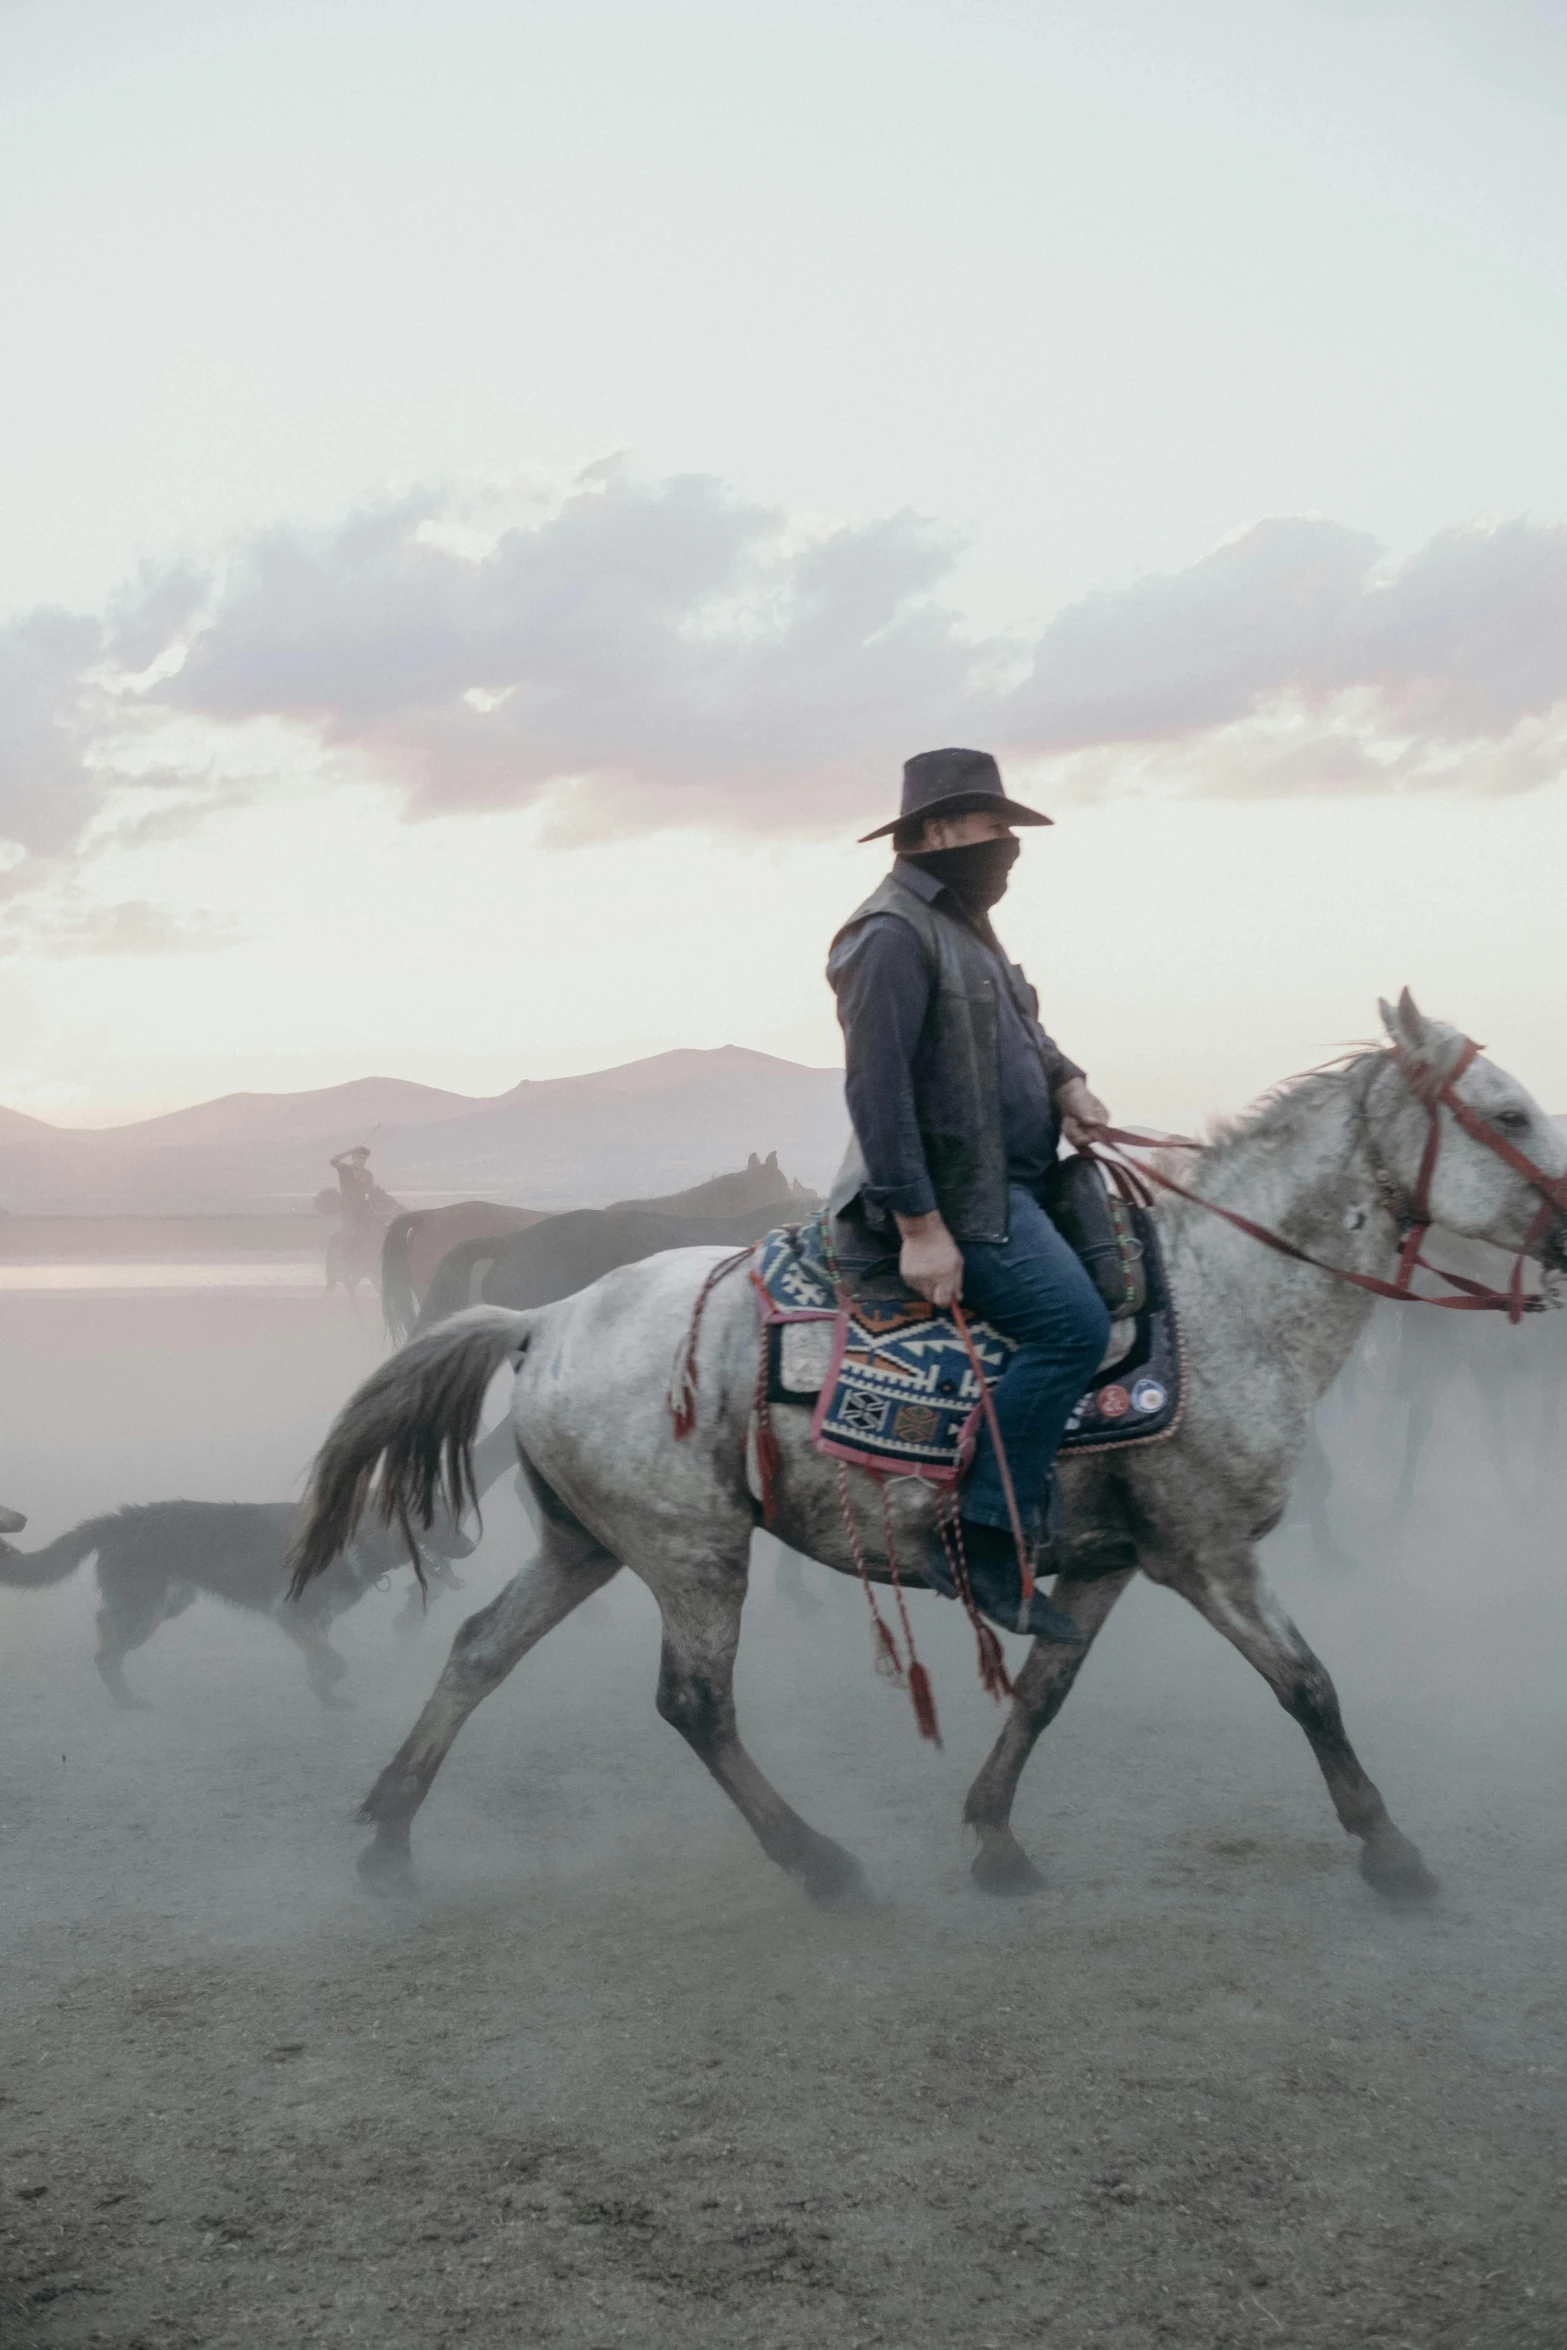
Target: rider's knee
(1091, 1326)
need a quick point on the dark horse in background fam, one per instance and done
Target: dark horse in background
(554, 1256)
(419, 1239)
(522, 1259)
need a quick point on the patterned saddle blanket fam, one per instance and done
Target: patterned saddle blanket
(891, 1380)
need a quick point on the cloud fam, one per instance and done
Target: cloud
(49, 718)
(1470, 638)
(668, 641)
(1266, 614)
(67, 923)
(648, 654)
(692, 659)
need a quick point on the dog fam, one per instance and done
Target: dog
(156, 1558)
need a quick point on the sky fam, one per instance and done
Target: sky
(494, 492)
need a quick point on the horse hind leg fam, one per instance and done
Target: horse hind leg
(569, 1568)
(696, 1695)
(1229, 1589)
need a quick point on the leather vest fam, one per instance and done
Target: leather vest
(957, 1082)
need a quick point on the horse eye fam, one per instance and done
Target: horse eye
(1513, 1121)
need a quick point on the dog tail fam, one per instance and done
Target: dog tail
(32, 1570)
(407, 1433)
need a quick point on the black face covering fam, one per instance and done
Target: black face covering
(976, 874)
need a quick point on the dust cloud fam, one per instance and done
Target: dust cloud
(609, 2078)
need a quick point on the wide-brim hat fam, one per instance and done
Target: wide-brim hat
(954, 783)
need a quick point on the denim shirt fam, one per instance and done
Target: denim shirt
(880, 978)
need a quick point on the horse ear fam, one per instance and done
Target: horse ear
(1430, 1042)
(1405, 1023)
(1416, 1025)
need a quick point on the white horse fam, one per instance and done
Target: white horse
(1326, 1162)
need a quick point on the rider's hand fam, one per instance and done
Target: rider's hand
(1081, 1111)
(931, 1261)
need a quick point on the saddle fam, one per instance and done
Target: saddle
(890, 1376)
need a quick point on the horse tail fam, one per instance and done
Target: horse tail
(452, 1281)
(399, 1305)
(32, 1570)
(413, 1421)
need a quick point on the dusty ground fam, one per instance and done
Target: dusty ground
(610, 2079)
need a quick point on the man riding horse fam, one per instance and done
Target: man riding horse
(364, 1202)
(958, 1100)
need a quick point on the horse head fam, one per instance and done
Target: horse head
(1460, 1141)
(11, 1522)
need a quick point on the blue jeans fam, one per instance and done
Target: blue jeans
(1032, 1287)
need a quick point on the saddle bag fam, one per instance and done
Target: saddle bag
(1096, 1223)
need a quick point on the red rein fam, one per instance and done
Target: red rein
(1434, 1095)
(683, 1384)
(1025, 1563)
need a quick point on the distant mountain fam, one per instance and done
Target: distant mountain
(364, 1103)
(16, 1126)
(649, 1127)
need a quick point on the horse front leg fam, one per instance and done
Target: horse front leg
(1038, 1694)
(701, 1612)
(1228, 1588)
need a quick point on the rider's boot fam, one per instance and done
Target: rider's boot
(989, 1556)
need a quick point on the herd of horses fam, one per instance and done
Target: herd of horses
(590, 1309)
(434, 1261)
(153, 1560)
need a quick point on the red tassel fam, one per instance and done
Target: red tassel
(995, 1680)
(924, 1703)
(888, 1662)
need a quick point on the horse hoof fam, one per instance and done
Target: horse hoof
(1010, 1874)
(834, 1879)
(1393, 1867)
(386, 1869)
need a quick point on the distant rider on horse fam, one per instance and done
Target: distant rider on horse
(364, 1202)
(958, 1100)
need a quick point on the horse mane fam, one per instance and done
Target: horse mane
(1262, 1134)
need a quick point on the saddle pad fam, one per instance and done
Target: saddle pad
(903, 1397)
(891, 1379)
(802, 1354)
(893, 1385)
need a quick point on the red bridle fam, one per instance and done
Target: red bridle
(1434, 1093)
